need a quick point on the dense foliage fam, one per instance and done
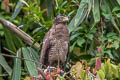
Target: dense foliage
(94, 29)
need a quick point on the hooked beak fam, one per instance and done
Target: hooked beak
(65, 19)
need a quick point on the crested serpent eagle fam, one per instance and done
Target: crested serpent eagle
(55, 46)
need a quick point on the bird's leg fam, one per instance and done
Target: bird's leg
(64, 67)
(58, 61)
(49, 67)
(57, 49)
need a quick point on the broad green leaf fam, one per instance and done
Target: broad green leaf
(114, 69)
(80, 41)
(118, 15)
(89, 36)
(83, 74)
(50, 8)
(96, 11)
(72, 47)
(31, 66)
(71, 25)
(17, 67)
(74, 36)
(115, 25)
(90, 3)
(0, 54)
(80, 15)
(93, 30)
(109, 53)
(116, 44)
(13, 41)
(118, 2)
(108, 10)
(1, 30)
(101, 74)
(103, 67)
(23, 1)
(35, 55)
(17, 9)
(108, 66)
(78, 28)
(111, 34)
(5, 65)
(116, 9)
(9, 40)
(18, 42)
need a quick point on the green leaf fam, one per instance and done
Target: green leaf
(63, 3)
(116, 9)
(74, 36)
(89, 36)
(101, 74)
(109, 53)
(9, 40)
(116, 44)
(90, 3)
(72, 47)
(17, 67)
(50, 8)
(17, 9)
(111, 34)
(80, 15)
(31, 66)
(78, 28)
(115, 25)
(96, 11)
(103, 67)
(83, 74)
(35, 55)
(108, 10)
(118, 2)
(114, 69)
(80, 41)
(93, 30)
(23, 1)
(118, 15)
(18, 42)
(5, 65)
(0, 54)
(108, 66)
(71, 25)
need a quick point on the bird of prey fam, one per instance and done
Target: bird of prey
(56, 44)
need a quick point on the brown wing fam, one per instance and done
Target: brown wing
(45, 46)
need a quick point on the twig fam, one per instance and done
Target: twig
(3, 75)
(9, 50)
(42, 73)
(24, 36)
(7, 55)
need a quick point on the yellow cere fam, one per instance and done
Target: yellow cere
(64, 19)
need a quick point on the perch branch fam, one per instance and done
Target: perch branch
(42, 73)
(25, 37)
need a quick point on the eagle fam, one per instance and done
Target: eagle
(55, 46)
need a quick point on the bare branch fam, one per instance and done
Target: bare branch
(42, 73)
(25, 37)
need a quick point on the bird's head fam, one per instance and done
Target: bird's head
(61, 19)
